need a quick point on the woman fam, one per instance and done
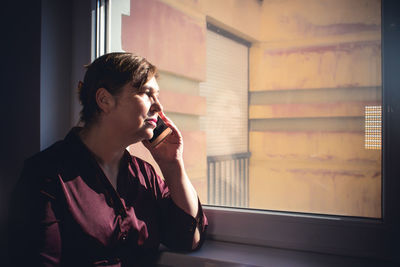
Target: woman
(85, 201)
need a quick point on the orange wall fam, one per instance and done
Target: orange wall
(309, 155)
(317, 62)
(349, 64)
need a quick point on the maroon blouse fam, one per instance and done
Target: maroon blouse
(66, 212)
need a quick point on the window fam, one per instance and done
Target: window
(226, 121)
(312, 73)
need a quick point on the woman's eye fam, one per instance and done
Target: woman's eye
(150, 93)
(145, 92)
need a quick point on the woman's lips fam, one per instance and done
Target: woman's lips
(152, 121)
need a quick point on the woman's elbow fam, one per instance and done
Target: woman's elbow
(196, 239)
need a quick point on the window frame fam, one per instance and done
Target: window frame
(340, 235)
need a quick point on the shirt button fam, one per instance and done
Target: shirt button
(123, 237)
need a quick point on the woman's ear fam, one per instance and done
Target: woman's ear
(104, 100)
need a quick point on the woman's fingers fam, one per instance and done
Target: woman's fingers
(165, 119)
(170, 124)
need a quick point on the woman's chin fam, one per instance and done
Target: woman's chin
(145, 135)
(149, 134)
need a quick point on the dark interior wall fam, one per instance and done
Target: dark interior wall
(81, 49)
(65, 49)
(20, 94)
(47, 44)
(55, 70)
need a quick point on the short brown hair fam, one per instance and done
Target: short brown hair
(111, 71)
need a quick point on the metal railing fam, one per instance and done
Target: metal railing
(228, 180)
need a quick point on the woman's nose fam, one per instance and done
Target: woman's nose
(156, 105)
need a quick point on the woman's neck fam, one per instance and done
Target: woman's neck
(102, 143)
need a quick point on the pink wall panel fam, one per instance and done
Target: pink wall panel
(169, 38)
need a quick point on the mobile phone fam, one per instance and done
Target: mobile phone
(160, 132)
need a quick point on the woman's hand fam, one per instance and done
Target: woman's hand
(170, 150)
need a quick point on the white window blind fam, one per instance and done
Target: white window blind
(226, 91)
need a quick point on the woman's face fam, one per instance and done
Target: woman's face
(135, 113)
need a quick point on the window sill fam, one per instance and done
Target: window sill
(216, 253)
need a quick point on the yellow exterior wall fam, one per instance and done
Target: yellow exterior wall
(326, 50)
(352, 64)
(317, 172)
(240, 17)
(291, 20)
(309, 156)
(311, 110)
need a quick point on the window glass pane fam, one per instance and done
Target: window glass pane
(279, 102)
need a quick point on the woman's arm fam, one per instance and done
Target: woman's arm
(182, 192)
(169, 157)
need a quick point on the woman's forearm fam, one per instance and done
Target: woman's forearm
(181, 189)
(182, 192)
